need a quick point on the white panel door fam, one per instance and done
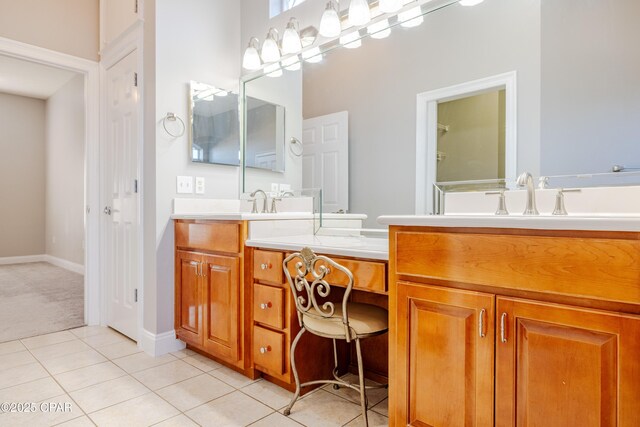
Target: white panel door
(121, 205)
(325, 161)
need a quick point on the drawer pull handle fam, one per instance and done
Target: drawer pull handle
(264, 306)
(265, 350)
(481, 323)
(265, 266)
(503, 327)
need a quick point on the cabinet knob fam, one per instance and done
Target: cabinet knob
(264, 306)
(264, 350)
(265, 266)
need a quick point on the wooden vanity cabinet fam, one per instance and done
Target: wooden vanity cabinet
(564, 341)
(209, 293)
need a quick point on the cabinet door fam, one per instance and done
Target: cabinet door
(222, 306)
(565, 366)
(188, 297)
(445, 345)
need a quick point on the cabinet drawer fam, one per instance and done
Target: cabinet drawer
(267, 266)
(268, 305)
(268, 350)
(208, 236)
(367, 275)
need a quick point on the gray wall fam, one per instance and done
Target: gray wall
(69, 26)
(22, 176)
(378, 84)
(590, 85)
(65, 172)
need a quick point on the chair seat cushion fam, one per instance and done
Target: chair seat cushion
(364, 319)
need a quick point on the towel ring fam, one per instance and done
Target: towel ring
(172, 117)
(295, 142)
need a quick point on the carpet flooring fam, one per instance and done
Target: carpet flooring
(38, 298)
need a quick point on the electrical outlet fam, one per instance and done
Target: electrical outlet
(199, 184)
(284, 188)
(184, 184)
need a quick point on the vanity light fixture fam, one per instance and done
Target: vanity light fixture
(273, 70)
(330, 25)
(411, 18)
(351, 40)
(312, 56)
(379, 30)
(359, 12)
(470, 2)
(389, 6)
(291, 38)
(292, 63)
(251, 59)
(270, 51)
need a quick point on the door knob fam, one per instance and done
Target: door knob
(107, 210)
(265, 266)
(264, 306)
(264, 350)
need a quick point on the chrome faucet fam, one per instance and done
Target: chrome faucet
(526, 180)
(264, 201)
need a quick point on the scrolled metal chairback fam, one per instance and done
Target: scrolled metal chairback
(307, 294)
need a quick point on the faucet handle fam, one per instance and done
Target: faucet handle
(254, 205)
(559, 208)
(502, 203)
(273, 204)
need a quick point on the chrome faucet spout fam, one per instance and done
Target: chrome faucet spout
(264, 201)
(526, 180)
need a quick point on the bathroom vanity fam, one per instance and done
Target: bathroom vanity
(514, 321)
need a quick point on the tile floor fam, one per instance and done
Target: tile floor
(106, 381)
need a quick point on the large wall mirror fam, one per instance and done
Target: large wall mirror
(565, 100)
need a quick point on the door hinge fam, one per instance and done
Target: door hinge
(135, 79)
(135, 185)
(135, 7)
(135, 295)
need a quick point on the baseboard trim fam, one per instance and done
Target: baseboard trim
(21, 259)
(159, 344)
(63, 263)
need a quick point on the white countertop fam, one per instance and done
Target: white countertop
(596, 223)
(351, 246)
(243, 216)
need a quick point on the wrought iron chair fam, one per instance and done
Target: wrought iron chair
(338, 321)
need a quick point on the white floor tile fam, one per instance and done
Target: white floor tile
(145, 410)
(73, 361)
(99, 396)
(34, 391)
(181, 354)
(48, 339)
(49, 412)
(323, 409)
(374, 395)
(195, 391)
(108, 337)
(11, 360)
(374, 420)
(268, 393)
(201, 362)
(87, 331)
(54, 351)
(21, 374)
(179, 421)
(11, 347)
(140, 361)
(232, 410)
(276, 419)
(90, 375)
(382, 408)
(82, 421)
(231, 377)
(119, 349)
(167, 374)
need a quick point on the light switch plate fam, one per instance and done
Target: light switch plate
(184, 184)
(284, 188)
(199, 184)
(274, 188)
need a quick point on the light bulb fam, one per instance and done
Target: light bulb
(379, 30)
(359, 13)
(270, 50)
(312, 55)
(470, 2)
(351, 40)
(411, 18)
(291, 39)
(273, 70)
(292, 63)
(389, 6)
(330, 22)
(251, 58)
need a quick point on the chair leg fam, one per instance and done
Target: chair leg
(287, 411)
(363, 392)
(335, 369)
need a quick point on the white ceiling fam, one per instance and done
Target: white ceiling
(31, 79)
